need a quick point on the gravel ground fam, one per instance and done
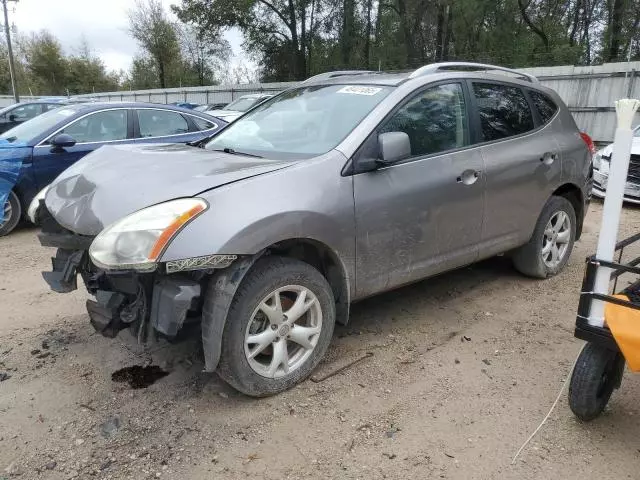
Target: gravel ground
(463, 368)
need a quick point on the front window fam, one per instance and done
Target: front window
(104, 126)
(35, 127)
(302, 122)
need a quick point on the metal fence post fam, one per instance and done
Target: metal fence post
(207, 100)
(632, 78)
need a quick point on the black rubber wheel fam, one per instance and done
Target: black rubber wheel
(531, 259)
(598, 372)
(272, 276)
(10, 214)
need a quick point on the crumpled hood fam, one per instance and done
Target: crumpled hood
(117, 180)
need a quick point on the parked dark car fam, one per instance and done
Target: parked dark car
(45, 146)
(345, 186)
(21, 112)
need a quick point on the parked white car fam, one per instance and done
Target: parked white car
(601, 163)
(238, 107)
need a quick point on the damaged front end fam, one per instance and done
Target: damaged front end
(151, 304)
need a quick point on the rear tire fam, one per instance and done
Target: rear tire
(10, 214)
(532, 259)
(255, 323)
(597, 374)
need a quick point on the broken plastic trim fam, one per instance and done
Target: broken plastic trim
(200, 263)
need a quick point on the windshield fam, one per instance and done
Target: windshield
(302, 122)
(242, 104)
(30, 129)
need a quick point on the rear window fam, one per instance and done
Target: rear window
(503, 109)
(203, 124)
(544, 105)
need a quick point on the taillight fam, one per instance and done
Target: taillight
(590, 145)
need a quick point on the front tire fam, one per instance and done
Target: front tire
(548, 251)
(597, 374)
(278, 328)
(10, 214)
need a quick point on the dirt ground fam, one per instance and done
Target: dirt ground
(464, 367)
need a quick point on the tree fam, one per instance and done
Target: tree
(149, 25)
(203, 53)
(45, 63)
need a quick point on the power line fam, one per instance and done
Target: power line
(12, 68)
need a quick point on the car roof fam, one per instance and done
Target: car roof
(443, 70)
(94, 106)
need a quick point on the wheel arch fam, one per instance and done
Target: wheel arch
(223, 285)
(327, 262)
(573, 193)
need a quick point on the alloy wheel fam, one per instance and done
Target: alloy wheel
(283, 331)
(8, 210)
(555, 242)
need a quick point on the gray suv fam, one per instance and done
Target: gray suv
(348, 185)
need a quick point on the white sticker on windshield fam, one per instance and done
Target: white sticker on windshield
(359, 90)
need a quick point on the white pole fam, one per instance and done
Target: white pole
(625, 110)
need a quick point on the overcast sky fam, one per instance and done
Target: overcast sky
(102, 22)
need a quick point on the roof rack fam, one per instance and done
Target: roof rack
(469, 67)
(337, 73)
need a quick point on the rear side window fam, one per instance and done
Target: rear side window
(544, 105)
(504, 111)
(161, 123)
(203, 124)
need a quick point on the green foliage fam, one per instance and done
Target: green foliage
(297, 38)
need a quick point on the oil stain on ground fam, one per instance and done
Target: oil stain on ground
(137, 376)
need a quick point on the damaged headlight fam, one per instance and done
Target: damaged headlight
(138, 240)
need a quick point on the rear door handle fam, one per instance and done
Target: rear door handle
(468, 177)
(548, 158)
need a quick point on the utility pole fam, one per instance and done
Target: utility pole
(12, 68)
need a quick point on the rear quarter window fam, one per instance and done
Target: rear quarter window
(503, 110)
(544, 105)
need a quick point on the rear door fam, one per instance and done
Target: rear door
(105, 127)
(521, 161)
(423, 215)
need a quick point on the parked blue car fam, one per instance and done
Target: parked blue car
(37, 151)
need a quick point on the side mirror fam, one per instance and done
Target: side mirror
(62, 141)
(394, 146)
(12, 118)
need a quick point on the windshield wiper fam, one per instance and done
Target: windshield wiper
(235, 152)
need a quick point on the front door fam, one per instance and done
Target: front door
(423, 215)
(89, 132)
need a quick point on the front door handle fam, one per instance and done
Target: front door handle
(548, 158)
(468, 177)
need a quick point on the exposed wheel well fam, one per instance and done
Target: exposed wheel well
(325, 260)
(574, 195)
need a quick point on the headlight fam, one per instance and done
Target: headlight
(35, 204)
(137, 241)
